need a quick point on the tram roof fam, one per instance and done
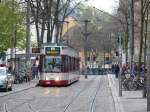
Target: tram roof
(54, 44)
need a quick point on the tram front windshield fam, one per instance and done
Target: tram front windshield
(52, 64)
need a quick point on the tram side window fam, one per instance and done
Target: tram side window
(69, 64)
(65, 64)
(76, 64)
(72, 64)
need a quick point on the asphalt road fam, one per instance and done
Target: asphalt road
(87, 95)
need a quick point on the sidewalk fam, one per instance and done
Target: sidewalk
(131, 101)
(20, 87)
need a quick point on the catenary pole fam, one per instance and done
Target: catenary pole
(85, 45)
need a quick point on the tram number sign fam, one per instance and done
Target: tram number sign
(52, 51)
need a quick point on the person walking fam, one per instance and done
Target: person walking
(34, 69)
(117, 69)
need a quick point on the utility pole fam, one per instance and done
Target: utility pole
(120, 62)
(85, 45)
(148, 79)
(28, 43)
(132, 33)
(104, 60)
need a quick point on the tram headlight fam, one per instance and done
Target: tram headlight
(46, 78)
(57, 78)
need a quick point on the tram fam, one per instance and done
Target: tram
(59, 65)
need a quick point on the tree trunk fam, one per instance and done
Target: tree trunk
(132, 34)
(141, 39)
(49, 37)
(145, 49)
(126, 42)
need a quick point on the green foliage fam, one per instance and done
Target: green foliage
(11, 21)
(34, 44)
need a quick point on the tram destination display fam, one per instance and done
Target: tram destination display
(52, 51)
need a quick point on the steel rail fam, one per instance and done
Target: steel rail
(78, 94)
(93, 107)
(27, 101)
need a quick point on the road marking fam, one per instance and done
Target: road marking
(5, 108)
(31, 108)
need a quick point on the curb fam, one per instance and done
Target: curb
(118, 104)
(19, 90)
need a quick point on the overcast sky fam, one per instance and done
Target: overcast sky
(106, 5)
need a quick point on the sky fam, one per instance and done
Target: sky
(106, 5)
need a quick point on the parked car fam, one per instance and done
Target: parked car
(6, 79)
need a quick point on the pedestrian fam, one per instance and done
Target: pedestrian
(124, 69)
(117, 69)
(113, 68)
(34, 69)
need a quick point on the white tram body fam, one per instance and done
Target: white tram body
(59, 65)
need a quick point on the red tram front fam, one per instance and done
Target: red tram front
(59, 65)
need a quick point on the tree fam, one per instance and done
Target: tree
(144, 10)
(123, 18)
(101, 34)
(8, 17)
(49, 16)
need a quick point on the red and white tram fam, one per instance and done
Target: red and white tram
(59, 65)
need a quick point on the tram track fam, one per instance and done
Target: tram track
(5, 105)
(92, 105)
(27, 101)
(77, 95)
(31, 108)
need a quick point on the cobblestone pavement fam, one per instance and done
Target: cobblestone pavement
(20, 87)
(87, 95)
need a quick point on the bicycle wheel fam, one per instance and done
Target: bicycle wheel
(132, 85)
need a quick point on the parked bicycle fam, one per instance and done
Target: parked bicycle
(131, 82)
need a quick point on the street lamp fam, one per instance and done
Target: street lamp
(85, 46)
